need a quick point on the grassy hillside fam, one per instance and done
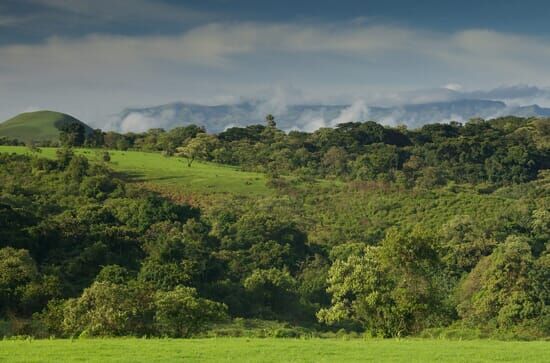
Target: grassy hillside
(171, 174)
(36, 126)
(271, 350)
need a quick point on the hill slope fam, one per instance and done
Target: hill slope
(37, 126)
(171, 175)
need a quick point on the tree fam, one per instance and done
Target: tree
(77, 168)
(72, 134)
(177, 254)
(107, 308)
(176, 137)
(387, 290)
(360, 291)
(313, 281)
(464, 244)
(378, 159)
(123, 143)
(501, 291)
(106, 157)
(95, 138)
(64, 156)
(182, 313)
(199, 147)
(334, 161)
(114, 274)
(263, 240)
(17, 271)
(270, 121)
(273, 291)
(32, 147)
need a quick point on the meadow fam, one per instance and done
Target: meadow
(170, 173)
(271, 350)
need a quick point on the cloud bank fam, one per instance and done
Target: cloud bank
(97, 75)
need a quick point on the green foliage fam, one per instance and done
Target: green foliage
(445, 227)
(106, 308)
(200, 147)
(388, 290)
(71, 134)
(507, 288)
(106, 157)
(272, 290)
(181, 313)
(113, 274)
(464, 244)
(17, 272)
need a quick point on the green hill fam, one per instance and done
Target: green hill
(37, 126)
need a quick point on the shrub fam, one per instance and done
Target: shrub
(181, 313)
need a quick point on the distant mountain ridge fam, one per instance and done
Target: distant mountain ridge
(311, 117)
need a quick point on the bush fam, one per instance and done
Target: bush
(181, 313)
(109, 309)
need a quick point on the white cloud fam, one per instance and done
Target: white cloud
(137, 122)
(357, 111)
(275, 100)
(310, 121)
(453, 86)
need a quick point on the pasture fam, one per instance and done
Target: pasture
(271, 350)
(170, 173)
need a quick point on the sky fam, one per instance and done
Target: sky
(92, 59)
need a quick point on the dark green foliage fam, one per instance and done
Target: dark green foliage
(71, 133)
(500, 151)
(107, 308)
(17, 272)
(478, 151)
(443, 226)
(507, 288)
(182, 313)
(388, 290)
(106, 157)
(113, 274)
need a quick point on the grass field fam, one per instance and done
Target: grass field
(172, 173)
(239, 350)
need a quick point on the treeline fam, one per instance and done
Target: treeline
(499, 151)
(84, 253)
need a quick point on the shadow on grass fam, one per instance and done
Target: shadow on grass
(141, 177)
(131, 177)
(180, 177)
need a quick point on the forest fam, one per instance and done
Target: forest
(369, 229)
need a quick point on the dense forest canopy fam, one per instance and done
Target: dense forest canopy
(374, 229)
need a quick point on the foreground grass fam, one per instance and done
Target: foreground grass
(272, 350)
(171, 173)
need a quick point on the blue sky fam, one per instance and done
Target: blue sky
(94, 58)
